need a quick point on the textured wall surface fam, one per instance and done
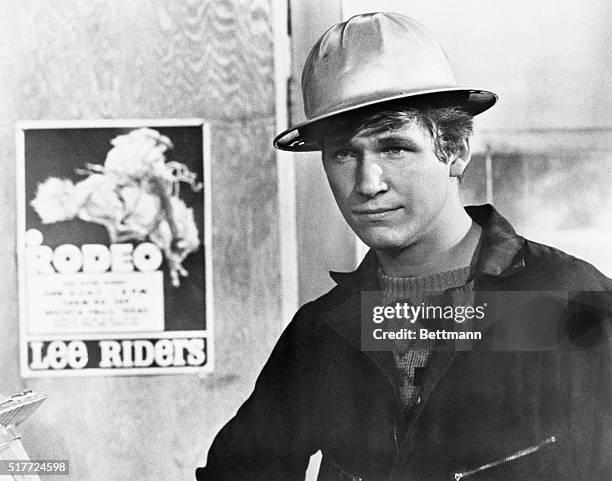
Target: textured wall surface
(83, 59)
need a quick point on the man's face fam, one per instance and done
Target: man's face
(389, 185)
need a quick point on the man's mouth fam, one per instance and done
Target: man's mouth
(375, 213)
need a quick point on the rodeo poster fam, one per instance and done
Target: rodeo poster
(114, 247)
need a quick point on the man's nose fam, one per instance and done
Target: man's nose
(370, 178)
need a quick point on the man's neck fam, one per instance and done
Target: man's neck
(451, 245)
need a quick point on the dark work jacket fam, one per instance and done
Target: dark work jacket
(485, 412)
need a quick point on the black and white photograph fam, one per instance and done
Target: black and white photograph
(306, 240)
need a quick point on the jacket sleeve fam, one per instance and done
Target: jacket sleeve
(591, 387)
(270, 437)
(603, 405)
(603, 470)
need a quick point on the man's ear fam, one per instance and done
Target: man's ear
(460, 159)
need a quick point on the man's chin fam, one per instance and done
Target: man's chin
(385, 243)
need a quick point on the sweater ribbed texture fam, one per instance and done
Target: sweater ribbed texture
(411, 355)
(420, 287)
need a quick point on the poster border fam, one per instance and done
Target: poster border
(21, 127)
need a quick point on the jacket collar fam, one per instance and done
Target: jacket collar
(500, 252)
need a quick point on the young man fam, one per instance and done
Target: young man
(531, 398)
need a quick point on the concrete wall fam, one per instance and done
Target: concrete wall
(84, 59)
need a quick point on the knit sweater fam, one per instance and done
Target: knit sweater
(411, 355)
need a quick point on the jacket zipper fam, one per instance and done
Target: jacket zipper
(518, 454)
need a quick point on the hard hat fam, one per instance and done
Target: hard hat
(374, 58)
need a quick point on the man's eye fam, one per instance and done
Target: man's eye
(395, 151)
(344, 154)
